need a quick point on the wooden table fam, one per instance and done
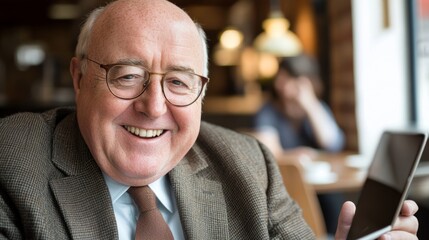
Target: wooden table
(348, 179)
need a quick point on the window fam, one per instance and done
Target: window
(419, 12)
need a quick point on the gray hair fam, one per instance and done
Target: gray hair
(86, 30)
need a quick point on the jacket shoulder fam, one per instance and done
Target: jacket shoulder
(214, 133)
(26, 124)
(25, 135)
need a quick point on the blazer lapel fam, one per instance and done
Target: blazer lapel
(200, 200)
(86, 208)
(82, 195)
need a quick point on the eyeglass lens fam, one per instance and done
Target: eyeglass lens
(179, 87)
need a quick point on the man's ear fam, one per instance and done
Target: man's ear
(76, 73)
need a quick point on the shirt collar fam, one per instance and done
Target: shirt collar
(160, 187)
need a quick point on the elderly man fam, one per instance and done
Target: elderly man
(139, 77)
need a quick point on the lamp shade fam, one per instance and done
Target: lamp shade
(277, 39)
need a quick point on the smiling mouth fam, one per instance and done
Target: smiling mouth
(144, 133)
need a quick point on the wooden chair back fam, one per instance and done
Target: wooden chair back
(304, 195)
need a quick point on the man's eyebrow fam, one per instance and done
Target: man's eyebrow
(139, 62)
(180, 68)
(131, 61)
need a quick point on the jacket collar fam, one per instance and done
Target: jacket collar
(200, 197)
(82, 194)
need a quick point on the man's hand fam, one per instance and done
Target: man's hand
(405, 226)
(345, 220)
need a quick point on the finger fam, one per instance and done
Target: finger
(407, 224)
(398, 235)
(345, 220)
(409, 208)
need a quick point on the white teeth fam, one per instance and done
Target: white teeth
(144, 133)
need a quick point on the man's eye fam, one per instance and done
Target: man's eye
(129, 77)
(178, 83)
(127, 80)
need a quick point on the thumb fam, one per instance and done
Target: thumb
(345, 220)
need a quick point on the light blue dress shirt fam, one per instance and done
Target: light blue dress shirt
(126, 211)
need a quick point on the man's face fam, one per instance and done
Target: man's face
(105, 121)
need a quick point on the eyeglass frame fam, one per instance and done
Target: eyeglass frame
(107, 67)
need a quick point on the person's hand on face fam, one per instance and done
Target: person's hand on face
(405, 226)
(295, 90)
(305, 95)
(297, 94)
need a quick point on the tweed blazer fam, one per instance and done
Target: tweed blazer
(227, 186)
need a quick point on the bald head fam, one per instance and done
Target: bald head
(152, 20)
(155, 10)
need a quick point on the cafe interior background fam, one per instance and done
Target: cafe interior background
(374, 57)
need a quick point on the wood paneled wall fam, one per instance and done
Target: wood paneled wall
(342, 91)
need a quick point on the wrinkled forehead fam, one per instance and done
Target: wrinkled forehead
(159, 21)
(157, 12)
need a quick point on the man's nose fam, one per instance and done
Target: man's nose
(152, 102)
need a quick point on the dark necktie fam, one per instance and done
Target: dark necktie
(150, 224)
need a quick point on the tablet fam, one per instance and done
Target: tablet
(388, 179)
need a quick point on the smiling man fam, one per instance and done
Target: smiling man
(139, 75)
(118, 121)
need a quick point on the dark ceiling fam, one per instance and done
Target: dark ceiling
(30, 12)
(23, 11)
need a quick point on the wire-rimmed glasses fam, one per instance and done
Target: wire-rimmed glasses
(127, 81)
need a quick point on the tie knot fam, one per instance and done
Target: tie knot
(143, 197)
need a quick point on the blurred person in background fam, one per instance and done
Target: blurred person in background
(295, 115)
(296, 123)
